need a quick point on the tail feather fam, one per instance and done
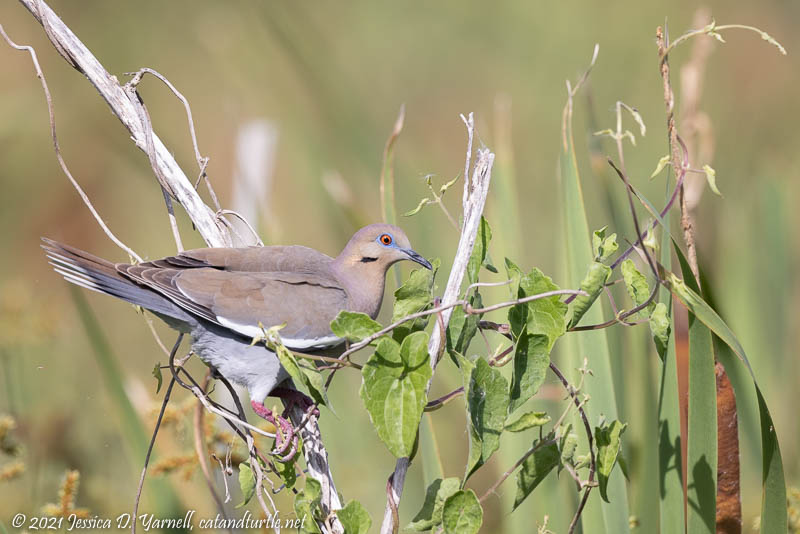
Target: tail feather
(90, 272)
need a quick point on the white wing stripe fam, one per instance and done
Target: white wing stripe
(300, 344)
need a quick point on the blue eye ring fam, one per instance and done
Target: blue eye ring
(386, 240)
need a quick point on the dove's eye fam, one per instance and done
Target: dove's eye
(385, 239)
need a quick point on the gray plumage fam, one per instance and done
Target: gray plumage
(219, 296)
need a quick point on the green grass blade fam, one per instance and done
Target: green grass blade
(504, 200)
(774, 517)
(669, 446)
(599, 516)
(429, 448)
(701, 447)
(773, 505)
(132, 428)
(164, 499)
(388, 206)
(671, 516)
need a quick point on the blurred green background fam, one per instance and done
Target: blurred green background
(330, 78)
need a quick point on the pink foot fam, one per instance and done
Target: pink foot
(296, 398)
(285, 437)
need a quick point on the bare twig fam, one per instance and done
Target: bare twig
(153, 437)
(202, 452)
(244, 221)
(681, 176)
(224, 467)
(441, 401)
(152, 329)
(202, 162)
(590, 437)
(662, 41)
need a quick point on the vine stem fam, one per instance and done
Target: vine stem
(712, 30)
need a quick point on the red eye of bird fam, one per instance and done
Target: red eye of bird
(386, 239)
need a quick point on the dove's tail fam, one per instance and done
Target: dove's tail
(89, 271)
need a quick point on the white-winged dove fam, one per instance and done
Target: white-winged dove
(220, 296)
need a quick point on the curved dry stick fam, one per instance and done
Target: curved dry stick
(57, 146)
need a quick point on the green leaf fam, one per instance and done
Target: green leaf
(711, 178)
(638, 118)
(430, 516)
(486, 393)
(567, 444)
(531, 360)
(479, 251)
(661, 164)
(157, 376)
(544, 316)
(306, 374)
(596, 277)
(463, 327)
(286, 470)
(393, 390)
(607, 440)
(448, 185)
(602, 246)
(534, 469)
(247, 483)
(306, 505)
(660, 328)
(528, 420)
(422, 203)
(414, 296)
(314, 381)
(462, 513)
(354, 326)
(354, 518)
(636, 284)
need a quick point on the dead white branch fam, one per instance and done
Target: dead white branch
(74, 51)
(475, 191)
